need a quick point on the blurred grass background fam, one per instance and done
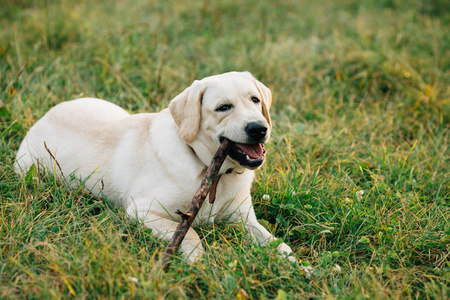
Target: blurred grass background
(361, 103)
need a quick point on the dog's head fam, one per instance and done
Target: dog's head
(232, 105)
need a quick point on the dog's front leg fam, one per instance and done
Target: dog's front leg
(164, 228)
(242, 211)
(263, 236)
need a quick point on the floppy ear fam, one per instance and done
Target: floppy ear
(266, 100)
(185, 110)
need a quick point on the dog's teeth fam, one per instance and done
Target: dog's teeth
(247, 157)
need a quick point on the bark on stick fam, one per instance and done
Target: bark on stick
(189, 215)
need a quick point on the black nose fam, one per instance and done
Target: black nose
(256, 132)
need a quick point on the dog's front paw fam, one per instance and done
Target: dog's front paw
(292, 259)
(285, 250)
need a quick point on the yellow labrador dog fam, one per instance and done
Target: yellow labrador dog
(153, 163)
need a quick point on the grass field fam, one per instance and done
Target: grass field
(357, 177)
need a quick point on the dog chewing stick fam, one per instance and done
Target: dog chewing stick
(188, 217)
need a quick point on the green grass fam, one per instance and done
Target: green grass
(362, 102)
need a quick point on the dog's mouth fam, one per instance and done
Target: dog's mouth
(247, 155)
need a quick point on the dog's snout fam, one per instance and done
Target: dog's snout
(256, 132)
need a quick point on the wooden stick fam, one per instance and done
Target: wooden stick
(187, 218)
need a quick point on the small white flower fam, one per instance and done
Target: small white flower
(293, 193)
(359, 194)
(134, 279)
(307, 271)
(337, 269)
(266, 197)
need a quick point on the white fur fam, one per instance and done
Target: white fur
(153, 163)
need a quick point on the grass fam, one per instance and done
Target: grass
(362, 103)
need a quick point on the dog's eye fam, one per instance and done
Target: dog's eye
(255, 100)
(224, 107)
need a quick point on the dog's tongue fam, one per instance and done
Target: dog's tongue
(252, 150)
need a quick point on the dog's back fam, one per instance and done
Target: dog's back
(69, 121)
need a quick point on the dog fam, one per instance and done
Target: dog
(152, 163)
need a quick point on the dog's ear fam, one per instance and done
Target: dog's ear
(185, 110)
(266, 100)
